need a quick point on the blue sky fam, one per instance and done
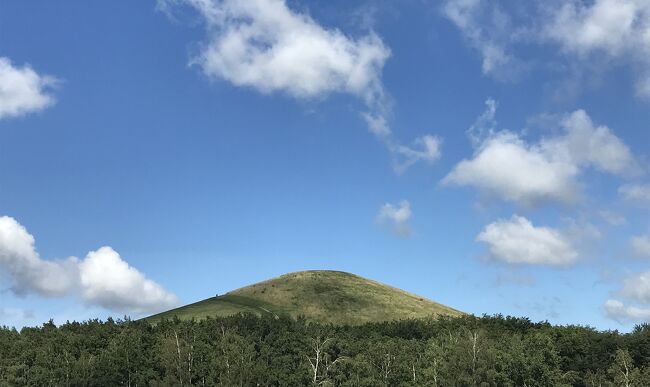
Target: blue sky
(491, 156)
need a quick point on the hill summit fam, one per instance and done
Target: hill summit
(319, 295)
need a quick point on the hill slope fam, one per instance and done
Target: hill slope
(319, 295)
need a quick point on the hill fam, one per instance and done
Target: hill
(318, 295)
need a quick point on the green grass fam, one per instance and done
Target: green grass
(322, 296)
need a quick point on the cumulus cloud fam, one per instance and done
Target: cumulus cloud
(518, 241)
(636, 193)
(396, 217)
(619, 29)
(616, 310)
(636, 289)
(604, 25)
(585, 144)
(23, 90)
(505, 165)
(109, 281)
(265, 45)
(102, 278)
(31, 274)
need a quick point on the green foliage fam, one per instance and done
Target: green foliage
(320, 296)
(250, 350)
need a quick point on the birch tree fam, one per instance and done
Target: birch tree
(321, 361)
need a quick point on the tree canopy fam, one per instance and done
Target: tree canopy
(247, 350)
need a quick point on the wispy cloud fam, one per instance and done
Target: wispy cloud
(641, 245)
(613, 218)
(396, 217)
(586, 34)
(488, 29)
(636, 193)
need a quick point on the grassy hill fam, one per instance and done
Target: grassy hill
(319, 295)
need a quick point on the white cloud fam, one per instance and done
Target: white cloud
(518, 241)
(377, 125)
(587, 33)
(513, 278)
(616, 29)
(22, 90)
(102, 278)
(636, 193)
(637, 287)
(16, 313)
(485, 125)
(618, 311)
(31, 274)
(265, 45)
(585, 144)
(109, 281)
(396, 217)
(489, 30)
(426, 148)
(613, 218)
(604, 25)
(506, 166)
(17, 317)
(641, 245)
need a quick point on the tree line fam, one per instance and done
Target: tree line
(247, 350)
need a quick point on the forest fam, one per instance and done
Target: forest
(247, 350)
